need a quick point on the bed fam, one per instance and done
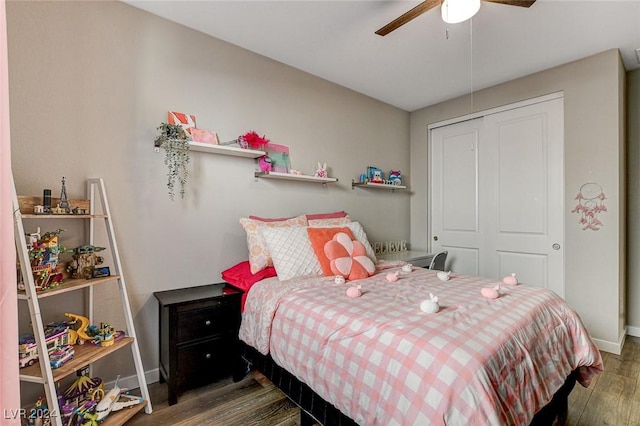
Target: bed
(378, 359)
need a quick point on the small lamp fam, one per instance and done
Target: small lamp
(455, 11)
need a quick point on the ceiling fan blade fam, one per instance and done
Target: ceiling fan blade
(521, 3)
(406, 17)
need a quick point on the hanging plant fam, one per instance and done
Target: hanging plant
(174, 140)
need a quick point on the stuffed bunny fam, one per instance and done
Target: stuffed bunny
(322, 170)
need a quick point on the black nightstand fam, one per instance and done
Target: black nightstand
(198, 335)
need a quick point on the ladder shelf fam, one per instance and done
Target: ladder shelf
(86, 354)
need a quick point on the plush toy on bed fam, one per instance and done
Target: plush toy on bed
(430, 306)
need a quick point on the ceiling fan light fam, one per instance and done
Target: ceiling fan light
(455, 11)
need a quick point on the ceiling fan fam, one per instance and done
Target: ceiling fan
(450, 13)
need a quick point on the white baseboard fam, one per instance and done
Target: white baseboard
(131, 382)
(633, 331)
(612, 347)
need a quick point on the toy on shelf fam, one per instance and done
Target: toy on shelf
(81, 389)
(44, 257)
(84, 261)
(375, 175)
(111, 401)
(57, 337)
(395, 178)
(321, 171)
(264, 163)
(105, 335)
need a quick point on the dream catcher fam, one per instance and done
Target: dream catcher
(590, 204)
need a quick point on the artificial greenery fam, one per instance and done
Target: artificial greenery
(176, 148)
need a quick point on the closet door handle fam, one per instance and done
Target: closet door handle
(435, 238)
(555, 246)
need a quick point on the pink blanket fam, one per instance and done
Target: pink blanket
(382, 361)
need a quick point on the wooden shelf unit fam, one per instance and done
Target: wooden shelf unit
(41, 371)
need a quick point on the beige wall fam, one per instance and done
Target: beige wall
(594, 118)
(633, 191)
(91, 81)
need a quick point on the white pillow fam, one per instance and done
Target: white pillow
(291, 251)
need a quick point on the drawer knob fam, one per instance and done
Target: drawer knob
(207, 322)
(207, 356)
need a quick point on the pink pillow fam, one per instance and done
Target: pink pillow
(309, 216)
(240, 275)
(348, 257)
(333, 215)
(266, 219)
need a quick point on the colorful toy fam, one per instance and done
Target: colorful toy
(84, 261)
(264, 163)
(430, 306)
(375, 175)
(394, 178)
(105, 335)
(81, 389)
(57, 335)
(44, 257)
(61, 355)
(322, 170)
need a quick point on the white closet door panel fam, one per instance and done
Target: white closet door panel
(522, 176)
(526, 145)
(463, 260)
(454, 191)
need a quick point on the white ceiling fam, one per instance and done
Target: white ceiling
(416, 65)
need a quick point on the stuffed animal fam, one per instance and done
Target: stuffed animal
(444, 276)
(354, 292)
(393, 276)
(395, 178)
(407, 268)
(491, 293)
(510, 280)
(322, 170)
(377, 176)
(339, 279)
(264, 163)
(430, 306)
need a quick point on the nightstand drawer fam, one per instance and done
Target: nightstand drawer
(205, 362)
(223, 316)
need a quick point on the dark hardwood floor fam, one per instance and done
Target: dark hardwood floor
(612, 399)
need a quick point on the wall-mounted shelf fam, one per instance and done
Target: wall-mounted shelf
(225, 150)
(209, 148)
(289, 176)
(355, 184)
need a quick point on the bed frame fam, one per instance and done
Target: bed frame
(315, 410)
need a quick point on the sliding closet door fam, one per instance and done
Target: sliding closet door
(455, 208)
(510, 181)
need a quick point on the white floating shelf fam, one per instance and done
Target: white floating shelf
(289, 176)
(376, 185)
(225, 150)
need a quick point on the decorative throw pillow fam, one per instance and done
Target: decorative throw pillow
(348, 258)
(319, 237)
(291, 251)
(259, 257)
(359, 234)
(336, 221)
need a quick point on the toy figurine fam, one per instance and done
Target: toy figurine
(322, 170)
(395, 178)
(265, 164)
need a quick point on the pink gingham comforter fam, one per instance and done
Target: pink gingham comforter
(382, 361)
